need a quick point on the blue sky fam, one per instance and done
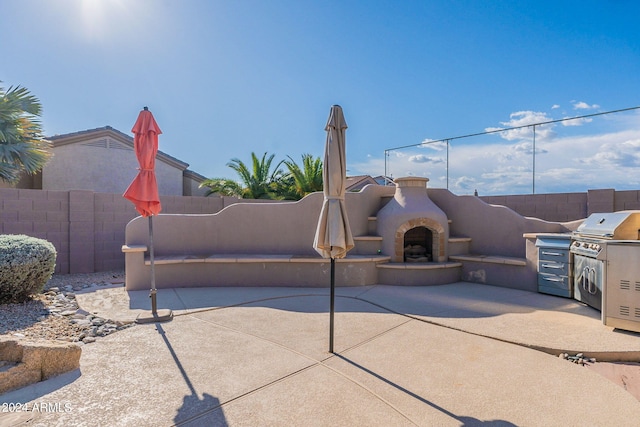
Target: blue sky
(225, 78)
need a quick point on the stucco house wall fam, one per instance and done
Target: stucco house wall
(106, 167)
(191, 184)
(103, 160)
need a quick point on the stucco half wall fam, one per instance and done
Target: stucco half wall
(255, 243)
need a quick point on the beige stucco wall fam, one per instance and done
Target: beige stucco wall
(494, 229)
(289, 228)
(246, 242)
(103, 165)
(191, 186)
(253, 228)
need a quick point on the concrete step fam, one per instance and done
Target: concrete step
(367, 245)
(419, 274)
(459, 245)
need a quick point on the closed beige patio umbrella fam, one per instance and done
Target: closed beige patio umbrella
(333, 237)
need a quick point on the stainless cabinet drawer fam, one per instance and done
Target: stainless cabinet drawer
(551, 281)
(552, 254)
(554, 267)
(555, 285)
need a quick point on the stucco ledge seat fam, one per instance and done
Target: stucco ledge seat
(255, 258)
(492, 259)
(228, 269)
(511, 272)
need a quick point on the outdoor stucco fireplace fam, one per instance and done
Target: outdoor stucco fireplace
(413, 228)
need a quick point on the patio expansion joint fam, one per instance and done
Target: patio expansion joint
(550, 351)
(245, 394)
(240, 304)
(611, 356)
(316, 363)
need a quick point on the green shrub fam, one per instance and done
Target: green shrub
(26, 264)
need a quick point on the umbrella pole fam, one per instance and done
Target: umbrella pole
(165, 314)
(152, 295)
(332, 305)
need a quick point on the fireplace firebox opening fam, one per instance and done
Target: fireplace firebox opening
(418, 245)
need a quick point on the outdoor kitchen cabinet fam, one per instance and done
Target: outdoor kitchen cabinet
(554, 265)
(621, 298)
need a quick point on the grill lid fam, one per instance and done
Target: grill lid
(623, 225)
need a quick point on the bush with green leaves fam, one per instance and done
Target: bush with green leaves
(26, 265)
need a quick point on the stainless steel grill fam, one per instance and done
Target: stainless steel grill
(589, 249)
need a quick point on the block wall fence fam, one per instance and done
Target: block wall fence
(564, 207)
(87, 228)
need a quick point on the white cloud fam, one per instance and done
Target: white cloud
(632, 143)
(421, 158)
(577, 122)
(425, 142)
(521, 120)
(527, 148)
(465, 183)
(619, 155)
(434, 144)
(555, 106)
(581, 105)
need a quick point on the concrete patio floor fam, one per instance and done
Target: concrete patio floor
(453, 355)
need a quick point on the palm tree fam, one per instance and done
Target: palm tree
(309, 178)
(22, 145)
(257, 182)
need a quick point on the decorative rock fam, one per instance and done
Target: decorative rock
(68, 313)
(88, 340)
(85, 323)
(98, 321)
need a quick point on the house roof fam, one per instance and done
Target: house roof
(84, 135)
(384, 180)
(188, 173)
(358, 181)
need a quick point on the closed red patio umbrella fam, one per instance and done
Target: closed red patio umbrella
(143, 193)
(143, 190)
